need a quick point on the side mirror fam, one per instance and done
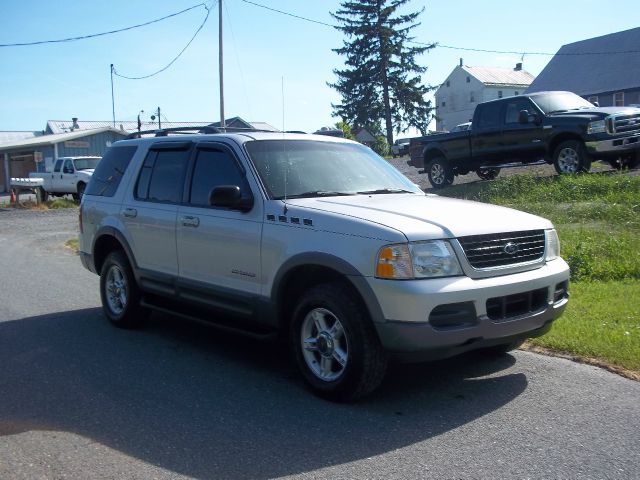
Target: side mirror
(525, 117)
(230, 196)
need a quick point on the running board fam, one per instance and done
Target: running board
(204, 317)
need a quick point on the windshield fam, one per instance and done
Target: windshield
(87, 163)
(310, 168)
(560, 102)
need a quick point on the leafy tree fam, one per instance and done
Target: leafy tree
(381, 81)
(346, 128)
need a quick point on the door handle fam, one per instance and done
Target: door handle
(130, 212)
(190, 221)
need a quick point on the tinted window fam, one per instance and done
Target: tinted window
(107, 175)
(213, 168)
(489, 115)
(513, 110)
(167, 176)
(58, 166)
(68, 167)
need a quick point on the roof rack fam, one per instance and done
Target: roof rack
(204, 129)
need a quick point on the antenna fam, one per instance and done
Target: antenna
(284, 147)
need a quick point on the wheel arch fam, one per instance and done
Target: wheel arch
(562, 137)
(108, 239)
(307, 270)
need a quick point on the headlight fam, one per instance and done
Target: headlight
(418, 260)
(596, 127)
(552, 245)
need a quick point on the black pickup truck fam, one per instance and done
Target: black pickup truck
(546, 127)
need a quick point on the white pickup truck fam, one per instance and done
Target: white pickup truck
(70, 176)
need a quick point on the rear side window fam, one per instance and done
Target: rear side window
(162, 176)
(107, 175)
(489, 115)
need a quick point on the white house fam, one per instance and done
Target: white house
(465, 87)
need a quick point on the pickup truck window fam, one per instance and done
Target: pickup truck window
(58, 166)
(513, 110)
(560, 102)
(68, 167)
(489, 115)
(87, 163)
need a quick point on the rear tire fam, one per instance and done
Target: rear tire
(335, 344)
(439, 172)
(119, 292)
(571, 157)
(44, 196)
(488, 173)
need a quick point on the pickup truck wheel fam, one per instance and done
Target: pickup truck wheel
(571, 157)
(119, 292)
(488, 173)
(439, 172)
(81, 187)
(44, 196)
(335, 345)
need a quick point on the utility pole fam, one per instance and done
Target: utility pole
(113, 103)
(153, 117)
(220, 64)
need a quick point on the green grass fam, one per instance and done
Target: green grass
(72, 244)
(598, 220)
(602, 320)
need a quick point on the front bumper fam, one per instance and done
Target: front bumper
(443, 317)
(617, 146)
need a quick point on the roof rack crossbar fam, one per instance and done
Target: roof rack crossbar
(204, 129)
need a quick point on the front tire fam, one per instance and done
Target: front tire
(571, 157)
(439, 172)
(335, 344)
(119, 292)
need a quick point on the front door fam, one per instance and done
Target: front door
(218, 247)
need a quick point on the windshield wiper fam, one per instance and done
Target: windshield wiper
(383, 190)
(317, 193)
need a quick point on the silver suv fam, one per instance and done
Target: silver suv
(319, 239)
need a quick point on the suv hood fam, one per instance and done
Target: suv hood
(423, 217)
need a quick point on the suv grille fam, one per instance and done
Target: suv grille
(624, 123)
(501, 249)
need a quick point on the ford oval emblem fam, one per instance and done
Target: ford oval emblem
(510, 248)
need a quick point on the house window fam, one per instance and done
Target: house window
(448, 83)
(468, 79)
(593, 99)
(472, 98)
(499, 93)
(618, 99)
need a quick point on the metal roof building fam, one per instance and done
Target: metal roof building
(603, 69)
(466, 86)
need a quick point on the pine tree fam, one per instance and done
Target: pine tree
(381, 80)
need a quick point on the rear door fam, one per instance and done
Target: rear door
(486, 133)
(150, 214)
(219, 247)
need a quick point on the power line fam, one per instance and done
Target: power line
(290, 14)
(175, 58)
(85, 37)
(449, 46)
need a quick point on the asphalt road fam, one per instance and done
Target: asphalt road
(80, 399)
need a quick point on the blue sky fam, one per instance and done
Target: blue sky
(276, 66)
